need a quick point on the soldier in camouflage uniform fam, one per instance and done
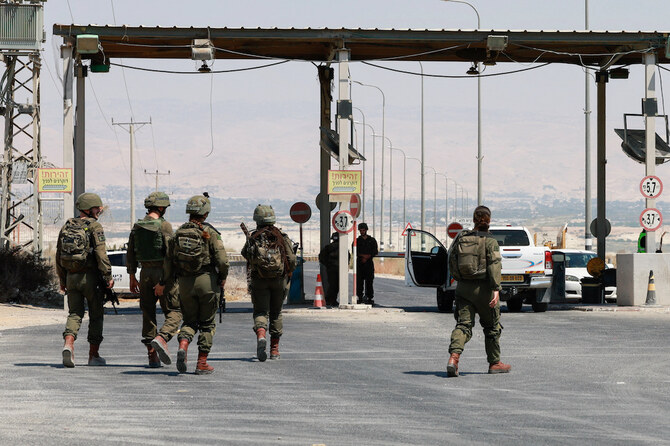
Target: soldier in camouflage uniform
(197, 259)
(147, 245)
(270, 260)
(478, 296)
(80, 260)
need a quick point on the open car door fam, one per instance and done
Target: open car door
(426, 259)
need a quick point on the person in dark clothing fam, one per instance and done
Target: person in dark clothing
(366, 249)
(330, 258)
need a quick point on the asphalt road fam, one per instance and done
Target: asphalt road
(372, 377)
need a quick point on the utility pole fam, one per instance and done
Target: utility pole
(131, 129)
(156, 174)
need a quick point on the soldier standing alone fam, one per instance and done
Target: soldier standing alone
(147, 245)
(81, 258)
(366, 249)
(330, 258)
(196, 257)
(475, 261)
(271, 260)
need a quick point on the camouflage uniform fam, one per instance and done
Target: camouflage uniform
(82, 285)
(267, 295)
(150, 275)
(199, 291)
(473, 297)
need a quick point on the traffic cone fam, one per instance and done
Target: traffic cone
(651, 290)
(318, 294)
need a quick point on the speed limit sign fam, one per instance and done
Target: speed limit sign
(651, 219)
(343, 221)
(651, 186)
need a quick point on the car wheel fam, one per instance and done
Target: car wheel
(445, 301)
(539, 307)
(514, 305)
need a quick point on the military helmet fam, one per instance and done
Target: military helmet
(198, 205)
(335, 236)
(87, 201)
(157, 200)
(264, 215)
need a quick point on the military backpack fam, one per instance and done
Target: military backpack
(75, 244)
(268, 252)
(148, 240)
(190, 249)
(467, 256)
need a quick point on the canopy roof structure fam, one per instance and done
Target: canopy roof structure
(591, 48)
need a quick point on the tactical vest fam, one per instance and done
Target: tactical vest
(190, 248)
(148, 240)
(75, 244)
(467, 256)
(268, 253)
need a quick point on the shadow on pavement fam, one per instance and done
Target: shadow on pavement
(148, 372)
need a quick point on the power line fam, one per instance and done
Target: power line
(235, 70)
(413, 73)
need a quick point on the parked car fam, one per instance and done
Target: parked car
(119, 272)
(575, 271)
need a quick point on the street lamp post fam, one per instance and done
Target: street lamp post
(446, 205)
(404, 186)
(381, 226)
(423, 179)
(374, 176)
(479, 112)
(363, 206)
(434, 199)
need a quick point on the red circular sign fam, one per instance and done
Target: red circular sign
(651, 219)
(300, 212)
(343, 222)
(355, 205)
(453, 229)
(651, 186)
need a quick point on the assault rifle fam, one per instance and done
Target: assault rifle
(222, 305)
(108, 294)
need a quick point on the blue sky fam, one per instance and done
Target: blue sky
(266, 121)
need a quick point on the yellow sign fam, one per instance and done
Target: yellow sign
(54, 180)
(344, 182)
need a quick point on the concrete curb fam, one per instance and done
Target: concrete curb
(611, 308)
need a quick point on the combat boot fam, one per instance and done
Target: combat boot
(452, 366)
(261, 343)
(181, 355)
(499, 367)
(274, 348)
(203, 368)
(68, 351)
(162, 349)
(94, 358)
(154, 361)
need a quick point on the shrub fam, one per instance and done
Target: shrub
(26, 278)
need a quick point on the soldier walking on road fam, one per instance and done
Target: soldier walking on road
(82, 264)
(147, 245)
(271, 260)
(366, 250)
(197, 258)
(475, 262)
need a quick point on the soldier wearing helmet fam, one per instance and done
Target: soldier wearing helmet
(271, 260)
(146, 247)
(81, 257)
(197, 259)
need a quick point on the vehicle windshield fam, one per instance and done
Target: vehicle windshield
(577, 259)
(510, 237)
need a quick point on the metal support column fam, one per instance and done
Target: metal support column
(650, 112)
(8, 99)
(68, 123)
(344, 126)
(602, 78)
(326, 75)
(80, 131)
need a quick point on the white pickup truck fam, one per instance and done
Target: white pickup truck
(526, 268)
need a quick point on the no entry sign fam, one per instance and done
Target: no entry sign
(300, 212)
(453, 229)
(355, 205)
